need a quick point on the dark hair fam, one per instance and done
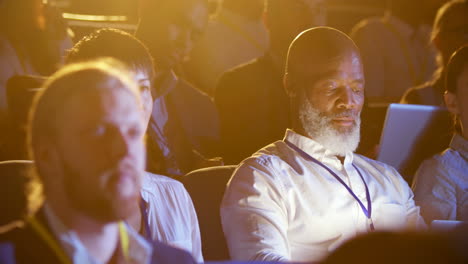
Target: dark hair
(458, 62)
(445, 14)
(120, 45)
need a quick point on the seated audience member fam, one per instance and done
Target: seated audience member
(402, 248)
(450, 32)
(299, 198)
(395, 50)
(235, 35)
(167, 212)
(86, 138)
(250, 98)
(441, 182)
(33, 39)
(184, 122)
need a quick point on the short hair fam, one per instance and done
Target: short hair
(315, 46)
(114, 43)
(49, 102)
(457, 64)
(444, 14)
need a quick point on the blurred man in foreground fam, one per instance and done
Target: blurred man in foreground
(86, 138)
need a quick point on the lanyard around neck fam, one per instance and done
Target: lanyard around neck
(367, 211)
(59, 252)
(124, 240)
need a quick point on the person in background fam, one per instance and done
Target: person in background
(250, 98)
(184, 122)
(450, 32)
(166, 209)
(33, 40)
(89, 163)
(235, 35)
(395, 49)
(441, 181)
(299, 198)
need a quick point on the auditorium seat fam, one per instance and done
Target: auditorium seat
(206, 187)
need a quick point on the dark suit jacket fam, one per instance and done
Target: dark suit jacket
(24, 245)
(197, 115)
(193, 125)
(253, 108)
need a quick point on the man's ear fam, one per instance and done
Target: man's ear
(437, 42)
(451, 102)
(289, 86)
(47, 155)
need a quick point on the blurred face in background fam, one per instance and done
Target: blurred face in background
(170, 28)
(287, 18)
(144, 84)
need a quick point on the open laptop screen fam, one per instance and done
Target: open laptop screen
(413, 133)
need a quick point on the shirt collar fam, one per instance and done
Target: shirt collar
(316, 150)
(460, 144)
(140, 250)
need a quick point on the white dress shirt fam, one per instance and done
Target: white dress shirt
(172, 217)
(280, 206)
(139, 249)
(441, 184)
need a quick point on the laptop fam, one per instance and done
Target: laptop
(413, 133)
(446, 225)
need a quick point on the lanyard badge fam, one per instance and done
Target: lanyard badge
(367, 211)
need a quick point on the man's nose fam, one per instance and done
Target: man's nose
(347, 98)
(119, 145)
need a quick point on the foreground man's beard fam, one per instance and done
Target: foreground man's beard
(103, 202)
(319, 127)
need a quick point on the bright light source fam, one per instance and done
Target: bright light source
(94, 17)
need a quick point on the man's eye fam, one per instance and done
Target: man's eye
(331, 85)
(144, 88)
(135, 132)
(358, 89)
(98, 131)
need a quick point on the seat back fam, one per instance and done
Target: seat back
(206, 187)
(20, 91)
(13, 183)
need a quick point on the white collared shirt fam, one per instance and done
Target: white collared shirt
(171, 216)
(139, 249)
(441, 183)
(280, 206)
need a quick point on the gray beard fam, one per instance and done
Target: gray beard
(319, 127)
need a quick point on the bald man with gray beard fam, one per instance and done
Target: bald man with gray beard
(299, 198)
